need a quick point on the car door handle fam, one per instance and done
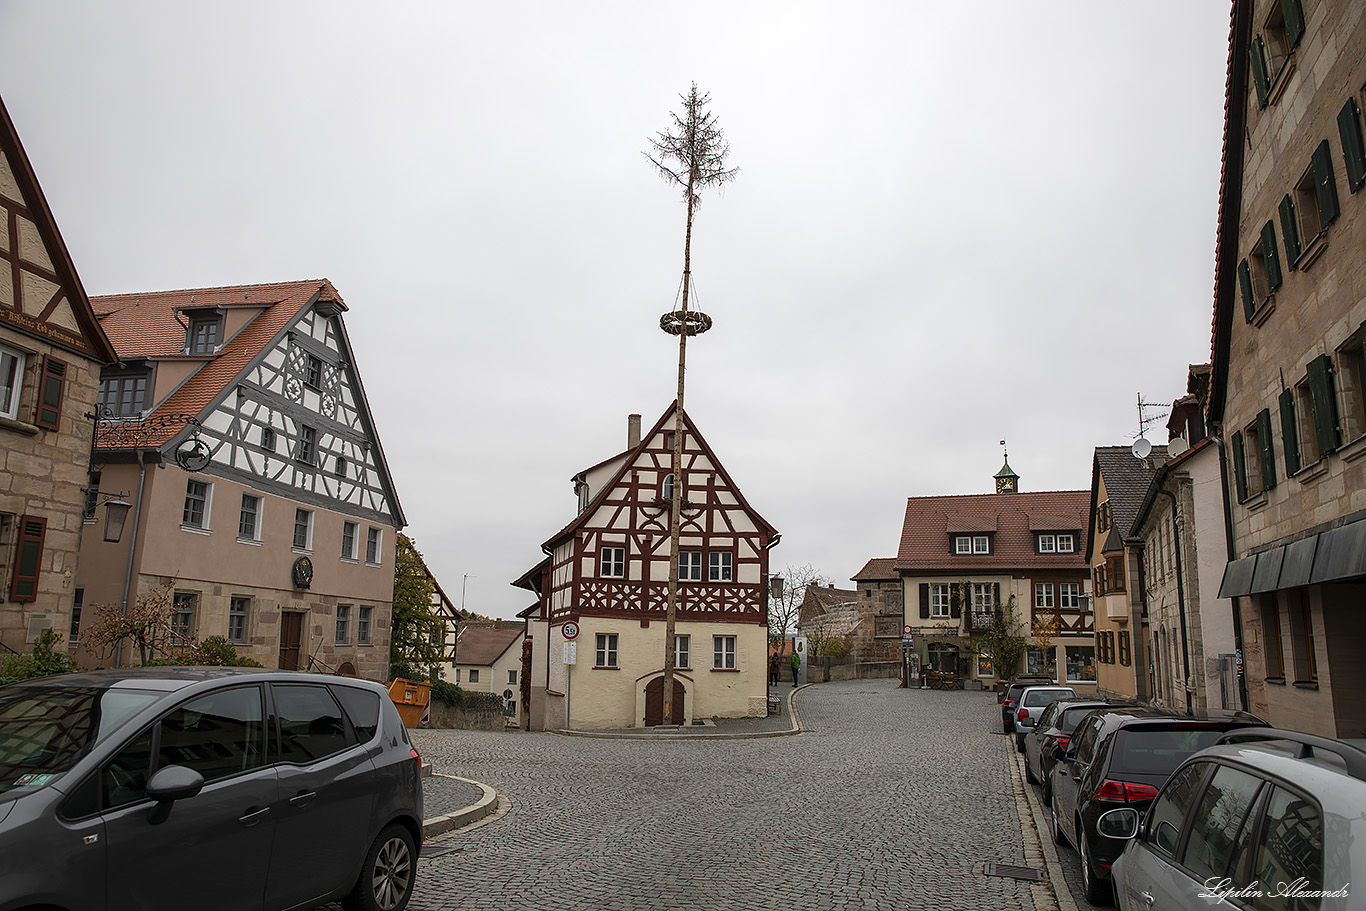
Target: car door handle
(1147, 898)
(302, 799)
(253, 816)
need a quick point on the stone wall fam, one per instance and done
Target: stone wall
(449, 717)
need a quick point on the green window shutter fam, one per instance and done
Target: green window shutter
(1259, 74)
(51, 394)
(1353, 151)
(955, 602)
(1245, 282)
(1290, 433)
(1269, 257)
(1325, 184)
(28, 559)
(1324, 402)
(1294, 21)
(1239, 466)
(1290, 231)
(1268, 453)
(924, 600)
(996, 594)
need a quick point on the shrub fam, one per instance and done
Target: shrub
(43, 661)
(448, 694)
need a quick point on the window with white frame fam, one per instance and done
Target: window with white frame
(941, 597)
(197, 502)
(720, 566)
(984, 668)
(203, 334)
(1069, 595)
(666, 490)
(972, 544)
(249, 519)
(1066, 544)
(183, 606)
(11, 382)
(683, 651)
(349, 540)
(373, 537)
(983, 601)
(1056, 544)
(343, 623)
(303, 529)
(474, 675)
(690, 565)
(512, 678)
(1043, 595)
(1081, 663)
(363, 628)
(237, 618)
(723, 653)
(606, 651)
(612, 563)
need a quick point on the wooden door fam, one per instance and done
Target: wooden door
(654, 702)
(291, 632)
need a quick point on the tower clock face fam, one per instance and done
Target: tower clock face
(1005, 485)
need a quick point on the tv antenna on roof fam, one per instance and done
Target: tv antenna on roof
(1141, 448)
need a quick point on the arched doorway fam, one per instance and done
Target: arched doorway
(654, 702)
(347, 669)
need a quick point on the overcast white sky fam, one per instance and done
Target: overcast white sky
(954, 223)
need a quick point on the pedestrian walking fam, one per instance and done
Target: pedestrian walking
(773, 670)
(796, 666)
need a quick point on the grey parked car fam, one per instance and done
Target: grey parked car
(206, 788)
(1033, 700)
(1277, 823)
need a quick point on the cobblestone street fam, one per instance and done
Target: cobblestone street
(891, 799)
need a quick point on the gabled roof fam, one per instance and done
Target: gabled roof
(1012, 519)
(1126, 484)
(878, 569)
(91, 341)
(630, 457)
(483, 645)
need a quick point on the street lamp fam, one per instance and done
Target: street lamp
(115, 515)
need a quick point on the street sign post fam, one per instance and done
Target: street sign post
(570, 630)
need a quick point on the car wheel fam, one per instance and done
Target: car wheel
(1005, 728)
(1097, 891)
(1019, 744)
(386, 878)
(1047, 797)
(1029, 772)
(1054, 828)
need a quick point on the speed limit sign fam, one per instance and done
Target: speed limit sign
(570, 630)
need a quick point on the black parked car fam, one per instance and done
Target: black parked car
(1010, 702)
(190, 787)
(1047, 740)
(1121, 756)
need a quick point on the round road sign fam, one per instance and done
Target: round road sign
(905, 631)
(570, 630)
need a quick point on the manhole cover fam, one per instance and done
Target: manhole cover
(439, 850)
(1028, 874)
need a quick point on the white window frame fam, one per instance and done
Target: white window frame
(1080, 649)
(981, 544)
(512, 678)
(605, 650)
(723, 653)
(962, 544)
(374, 546)
(941, 599)
(690, 566)
(720, 566)
(985, 661)
(1043, 595)
(307, 546)
(612, 562)
(983, 598)
(349, 553)
(1048, 544)
(1066, 544)
(11, 395)
(206, 510)
(683, 652)
(254, 536)
(1069, 595)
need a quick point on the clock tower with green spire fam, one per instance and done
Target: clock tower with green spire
(1007, 481)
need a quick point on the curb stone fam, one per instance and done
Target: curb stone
(490, 802)
(1039, 850)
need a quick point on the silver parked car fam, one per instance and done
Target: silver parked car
(1033, 700)
(1265, 819)
(207, 788)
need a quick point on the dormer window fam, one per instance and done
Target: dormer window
(123, 393)
(1056, 544)
(205, 333)
(972, 544)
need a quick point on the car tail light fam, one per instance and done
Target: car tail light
(1062, 740)
(1125, 791)
(417, 759)
(1022, 715)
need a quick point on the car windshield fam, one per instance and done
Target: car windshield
(44, 730)
(1158, 751)
(1072, 717)
(1036, 698)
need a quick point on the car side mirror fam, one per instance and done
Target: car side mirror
(169, 784)
(1120, 823)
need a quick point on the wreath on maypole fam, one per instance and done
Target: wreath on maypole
(685, 322)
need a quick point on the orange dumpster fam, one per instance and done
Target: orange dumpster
(411, 698)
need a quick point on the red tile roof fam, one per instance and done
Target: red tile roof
(878, 569)
(482, 645)
(926, 543)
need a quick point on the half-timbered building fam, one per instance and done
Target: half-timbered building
(237, 426)
(607, 571)
(51, 352)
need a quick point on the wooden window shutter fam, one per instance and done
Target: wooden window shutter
(1125, 655)
(1325, 184)
(996, 594)
(924, 600)
(1268, 454)
(955, 601)
(51, 393)
(1293, 14)
(1324, 401)
(1269, 257)
(1290, 433)
(1259, 71)
(1353, 149)
(1239, 466)
(1290, 231)
(29, 559)
(1245, 282)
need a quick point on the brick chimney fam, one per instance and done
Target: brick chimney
(632, 431)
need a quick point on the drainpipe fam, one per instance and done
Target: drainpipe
(1180, 596)
(1231, 553)
(132, 546)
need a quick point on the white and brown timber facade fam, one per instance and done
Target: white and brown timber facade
(51, 352)
(608, 571)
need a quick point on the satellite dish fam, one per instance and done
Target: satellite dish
(1141, 448)
(193, 455)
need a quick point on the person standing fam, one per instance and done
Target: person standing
(796, 665)
(773, 670)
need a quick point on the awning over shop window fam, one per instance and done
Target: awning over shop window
(1268, 571)
(1238, 578)
(1341, 554)
(1299, 562)
(1332, 556)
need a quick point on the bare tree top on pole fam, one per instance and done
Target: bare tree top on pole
(693, 156)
